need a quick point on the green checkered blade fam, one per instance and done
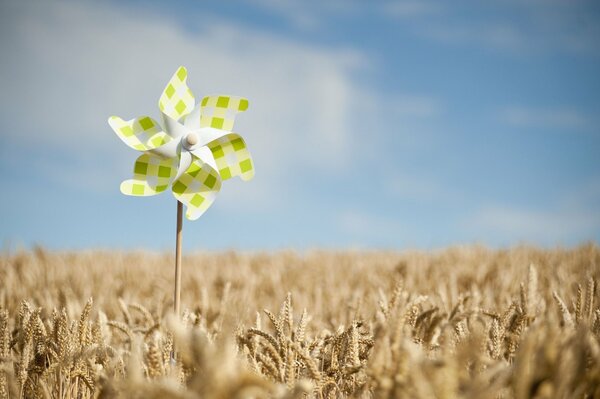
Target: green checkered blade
(141, 134)
(177, 100)
(197, 188)
(232, 157)
(219, 111)
(151, 175)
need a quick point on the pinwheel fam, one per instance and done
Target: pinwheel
(192, 152)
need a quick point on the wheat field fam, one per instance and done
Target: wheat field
(465, 322)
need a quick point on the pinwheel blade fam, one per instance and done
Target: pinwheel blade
(141, 134)
(197, 188)
(219, 111)
(232, 157)
(177, 100)
(151, 175)
(185, 161)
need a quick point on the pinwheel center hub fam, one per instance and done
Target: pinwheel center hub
(191, 139)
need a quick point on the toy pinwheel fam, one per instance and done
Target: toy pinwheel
(192, 152)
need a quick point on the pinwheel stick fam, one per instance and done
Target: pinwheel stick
(177, 295)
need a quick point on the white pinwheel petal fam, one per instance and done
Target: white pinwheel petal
(142, 133)
(151, 175)
(192, 120)
(209, 134)
(219, 111)
(185, 160)
(177, 100)
(205, 155)
(173, 128)
(232, 157)
(197, 188)
(169, 150)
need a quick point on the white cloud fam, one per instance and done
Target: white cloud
(418, 106)
(297, 13)
(418, 189)
(549, 227)
(310, 15)
(574, 217)
(502, 36)
(73, 64)
(557, 117)
(410, 8)
(361, 224)
(520, 27)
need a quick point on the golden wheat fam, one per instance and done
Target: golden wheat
(466, 322)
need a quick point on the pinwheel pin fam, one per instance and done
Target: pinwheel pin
(192, 152)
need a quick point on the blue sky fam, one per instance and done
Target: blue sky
(401, 124)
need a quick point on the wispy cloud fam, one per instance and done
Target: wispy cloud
(533, 28)
(410, 8)
(415, 106)
(494, 36)
(509, 225)
(304, 95)
(358, 224)
(310, 15)
(304, 18)
(418, 189)
(550, 118)
(573, 218)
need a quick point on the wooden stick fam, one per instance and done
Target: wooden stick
(177, 298)
(177, 294)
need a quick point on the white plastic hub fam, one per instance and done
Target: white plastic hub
(191, 139)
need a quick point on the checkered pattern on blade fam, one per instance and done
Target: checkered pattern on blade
(151, 175)
(177, 100)
(232, 157)
(219, 111)
(141, 134)
(197, 188)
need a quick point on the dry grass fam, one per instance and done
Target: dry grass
(466, 322)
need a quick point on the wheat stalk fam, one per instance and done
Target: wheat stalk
(455, 323)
